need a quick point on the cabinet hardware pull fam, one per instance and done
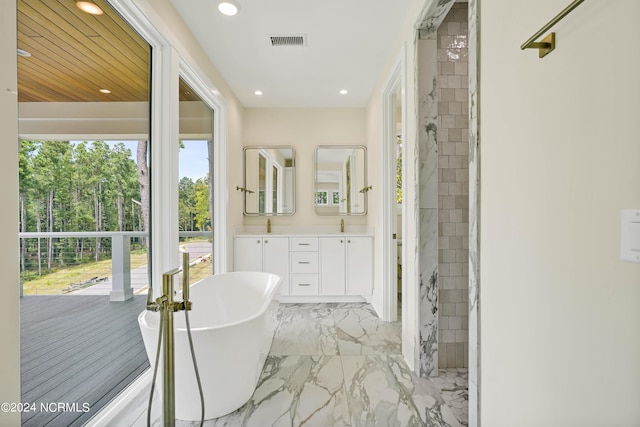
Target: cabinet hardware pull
(303, 244)
(348, 241)
(266, 241)
(304, 262)
(304, 284)
(257, 241)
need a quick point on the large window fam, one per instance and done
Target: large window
(195, 188)
(84, 97)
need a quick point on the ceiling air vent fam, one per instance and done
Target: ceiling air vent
(289, 40)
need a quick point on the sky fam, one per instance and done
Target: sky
(193, 158)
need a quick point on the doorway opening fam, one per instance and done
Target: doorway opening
(394, 173)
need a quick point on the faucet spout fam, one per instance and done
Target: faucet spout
(342, 225)
(268, 225)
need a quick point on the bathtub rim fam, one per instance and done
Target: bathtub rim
(269, 298)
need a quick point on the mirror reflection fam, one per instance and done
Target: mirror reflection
(341, 180)
(269, 180)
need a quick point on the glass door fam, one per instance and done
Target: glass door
(83, 98)
(195, 188)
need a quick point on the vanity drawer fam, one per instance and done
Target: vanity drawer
(304, 262)
(303, 244)
(304, 284)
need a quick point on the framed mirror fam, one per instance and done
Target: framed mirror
(341, 180)
(269, 180)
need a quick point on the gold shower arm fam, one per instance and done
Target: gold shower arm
(244, 190)
(548, 44)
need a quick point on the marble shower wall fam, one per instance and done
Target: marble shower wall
(474, 208)
(432, 15)
(428, 158)
(453, 189)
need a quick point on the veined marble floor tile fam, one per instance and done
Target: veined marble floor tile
(340, 305)
(307, 306)
(305, 331)
(452, 384)
(299, 390)
(381, 391)
(231, 420)
(141, 421)
(360, 331)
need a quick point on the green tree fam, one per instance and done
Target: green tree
(123, 173)
(142, 171)
(74, 187)
(399, 172)
(52, 173)
(186, 203)
(202, 217)
(26, 185)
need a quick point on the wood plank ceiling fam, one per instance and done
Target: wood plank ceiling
(74, 55)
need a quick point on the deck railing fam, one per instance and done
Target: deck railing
(67, 252)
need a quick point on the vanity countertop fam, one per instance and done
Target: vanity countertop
(304, 230)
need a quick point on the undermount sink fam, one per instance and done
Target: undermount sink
(305, 230)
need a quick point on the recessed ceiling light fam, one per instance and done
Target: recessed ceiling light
(89, 7)
(343, 92)
(258, 92)
(228, 7)
(105, 91)
(22, 52)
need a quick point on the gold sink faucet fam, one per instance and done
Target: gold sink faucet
(268, 225)
(342, 225)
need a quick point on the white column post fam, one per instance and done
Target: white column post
(121, 268)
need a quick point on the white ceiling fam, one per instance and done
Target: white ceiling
(348, 44)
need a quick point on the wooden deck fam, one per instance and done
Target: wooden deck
(77, 350)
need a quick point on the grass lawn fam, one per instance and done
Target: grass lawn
(200, 270)
(54, 283)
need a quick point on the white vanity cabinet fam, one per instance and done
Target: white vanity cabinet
(346, 266)
(317, 264)
(268, 254)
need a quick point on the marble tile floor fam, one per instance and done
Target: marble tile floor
(340, 365)
(452, 384)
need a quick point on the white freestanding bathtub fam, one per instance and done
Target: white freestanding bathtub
(233, 319)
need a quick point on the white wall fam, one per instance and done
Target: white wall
(560, 153)
(405, 37)
(9, 315)
(164, 16)
(304, 129)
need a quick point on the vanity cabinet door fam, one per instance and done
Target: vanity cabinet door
(248, 254)
(359, 266)
(332, 266)
(275, 259)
